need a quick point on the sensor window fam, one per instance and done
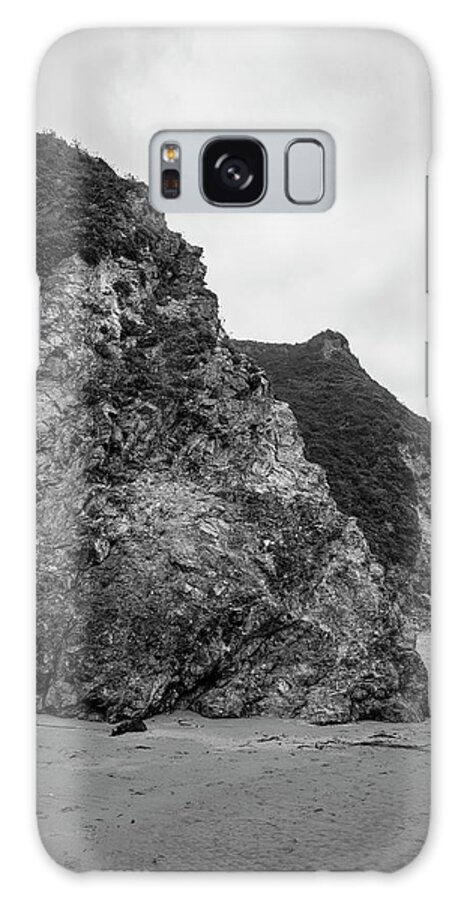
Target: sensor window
(170, 184)
(304, 182)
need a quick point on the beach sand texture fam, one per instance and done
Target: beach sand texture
(240, 794)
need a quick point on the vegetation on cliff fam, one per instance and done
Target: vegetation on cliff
(356, 430)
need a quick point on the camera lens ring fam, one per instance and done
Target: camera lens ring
(233, 171)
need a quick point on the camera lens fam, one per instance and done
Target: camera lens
(233, 171)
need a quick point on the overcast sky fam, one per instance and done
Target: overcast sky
(358, 268)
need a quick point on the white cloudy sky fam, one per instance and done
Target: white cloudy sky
(359, 268)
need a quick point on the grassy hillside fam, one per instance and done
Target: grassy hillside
(354, 428)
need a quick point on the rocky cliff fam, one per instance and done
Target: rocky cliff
(189, 554)
(375, 451)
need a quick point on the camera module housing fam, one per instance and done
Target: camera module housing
(266, 171)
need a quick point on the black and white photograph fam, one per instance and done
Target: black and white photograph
(233, 465)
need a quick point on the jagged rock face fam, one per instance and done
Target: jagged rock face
(375, 451)
(417, 587)
(189, 555)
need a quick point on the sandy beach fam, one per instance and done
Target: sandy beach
(241, 794)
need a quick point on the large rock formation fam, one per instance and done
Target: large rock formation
(375, 451)
(189, 554)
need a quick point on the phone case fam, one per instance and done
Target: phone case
(233, 466)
